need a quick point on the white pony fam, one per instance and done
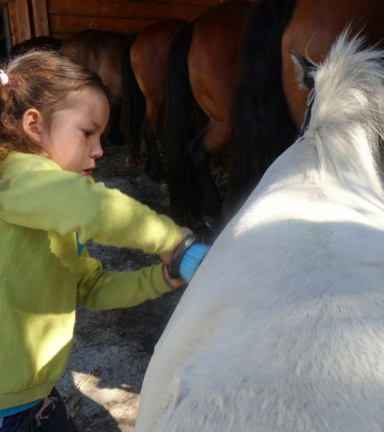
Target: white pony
(282, 327)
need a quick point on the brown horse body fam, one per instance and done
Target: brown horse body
(149, 54)
(39, 42)
(99, 51)
(144, 74)
(313, 28)
(102, 52)
(212, 64)
(202, 72)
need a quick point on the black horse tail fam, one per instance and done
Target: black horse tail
(132, 103)
(263, 127)
(178, 127)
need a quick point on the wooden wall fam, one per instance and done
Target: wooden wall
(61, 18)
(23, 19)
(120, 16)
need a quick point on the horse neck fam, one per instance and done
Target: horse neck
(347, 155)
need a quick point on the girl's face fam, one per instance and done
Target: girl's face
(72, 137)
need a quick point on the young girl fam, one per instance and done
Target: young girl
(52, 114)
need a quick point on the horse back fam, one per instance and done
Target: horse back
(267, 344)
(99, 51)
(39, 42)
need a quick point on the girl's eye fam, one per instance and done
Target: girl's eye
(87, 133)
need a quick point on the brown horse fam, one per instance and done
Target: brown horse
(101, 52)
(201, 77)
(39, 42)
(270, 104)
(314, 27)
(144, 81)
(263, 128)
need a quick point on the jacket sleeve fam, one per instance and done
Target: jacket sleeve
(51, 199)
(100, 290)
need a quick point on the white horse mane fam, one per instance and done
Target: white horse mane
(347, 121)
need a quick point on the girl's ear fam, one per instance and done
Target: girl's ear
(32, 123)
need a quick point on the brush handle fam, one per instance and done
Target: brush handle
(174, 267)
(187, 258)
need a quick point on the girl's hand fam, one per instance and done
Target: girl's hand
(167, 256)
(173, 283)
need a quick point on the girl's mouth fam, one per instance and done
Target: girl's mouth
(88, 172)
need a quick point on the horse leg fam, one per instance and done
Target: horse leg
(211, 200)
(154, 166)
(115, 135)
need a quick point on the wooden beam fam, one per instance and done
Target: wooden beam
(146, 10)
(40, 17)
(68, 24)
(7, 29)
(19, 20)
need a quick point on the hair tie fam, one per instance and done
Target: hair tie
(4, 78)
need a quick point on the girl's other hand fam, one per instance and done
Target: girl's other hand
(173, 283)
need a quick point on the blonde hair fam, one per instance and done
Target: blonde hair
(41, 80)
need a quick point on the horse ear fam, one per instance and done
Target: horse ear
(304, 70)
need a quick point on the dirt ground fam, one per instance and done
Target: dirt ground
(112, 349)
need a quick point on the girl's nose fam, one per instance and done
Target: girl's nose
(97, 150)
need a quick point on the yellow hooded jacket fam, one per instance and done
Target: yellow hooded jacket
(42, 277)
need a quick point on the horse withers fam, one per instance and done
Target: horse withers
(282, 327)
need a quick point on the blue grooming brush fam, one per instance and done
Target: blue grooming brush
(187, 258)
